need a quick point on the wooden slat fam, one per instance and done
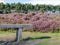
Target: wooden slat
(16, 25)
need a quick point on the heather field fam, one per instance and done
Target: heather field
(43, 22)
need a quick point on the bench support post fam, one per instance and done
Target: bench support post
(19, 34)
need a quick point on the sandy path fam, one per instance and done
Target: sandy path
(7, 37)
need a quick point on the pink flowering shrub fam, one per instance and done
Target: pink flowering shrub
(43, 22)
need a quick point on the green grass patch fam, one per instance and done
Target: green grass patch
(4, 32)
(53, 40)
(50, 42)
(45, 38)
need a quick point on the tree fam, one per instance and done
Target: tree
(18, 7)
(4, 11)
(2, 6)
(25, 8)
(12, 5)
(37, 7)
(57, 8)
(7, 5)
(7, 10)
(41, 10)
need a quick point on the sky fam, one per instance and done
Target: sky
(51, 2)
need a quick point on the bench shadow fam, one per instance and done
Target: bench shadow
(24, 40)
(30, 38)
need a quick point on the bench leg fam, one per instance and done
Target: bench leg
(19, 34)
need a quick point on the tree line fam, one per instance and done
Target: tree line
(25, 8)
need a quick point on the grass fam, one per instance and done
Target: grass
(38, 34)
(49, 42)
(54, 40)
(4, 32)
(7, 35)
(45, 38)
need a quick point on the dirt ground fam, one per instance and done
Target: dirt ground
(11, 37)
(7, 37)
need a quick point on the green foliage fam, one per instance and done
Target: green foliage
(7, 30)
(12, 5)
(7, 10)
(2, 6)
(25, 8)
(41, 9)
(7, 5)
(18, 7)
(4, 11)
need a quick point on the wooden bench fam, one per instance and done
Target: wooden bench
(19, 28)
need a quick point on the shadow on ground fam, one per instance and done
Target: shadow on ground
(30, 38)
(23, 41)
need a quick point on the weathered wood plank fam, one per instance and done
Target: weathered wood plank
(16, 25)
